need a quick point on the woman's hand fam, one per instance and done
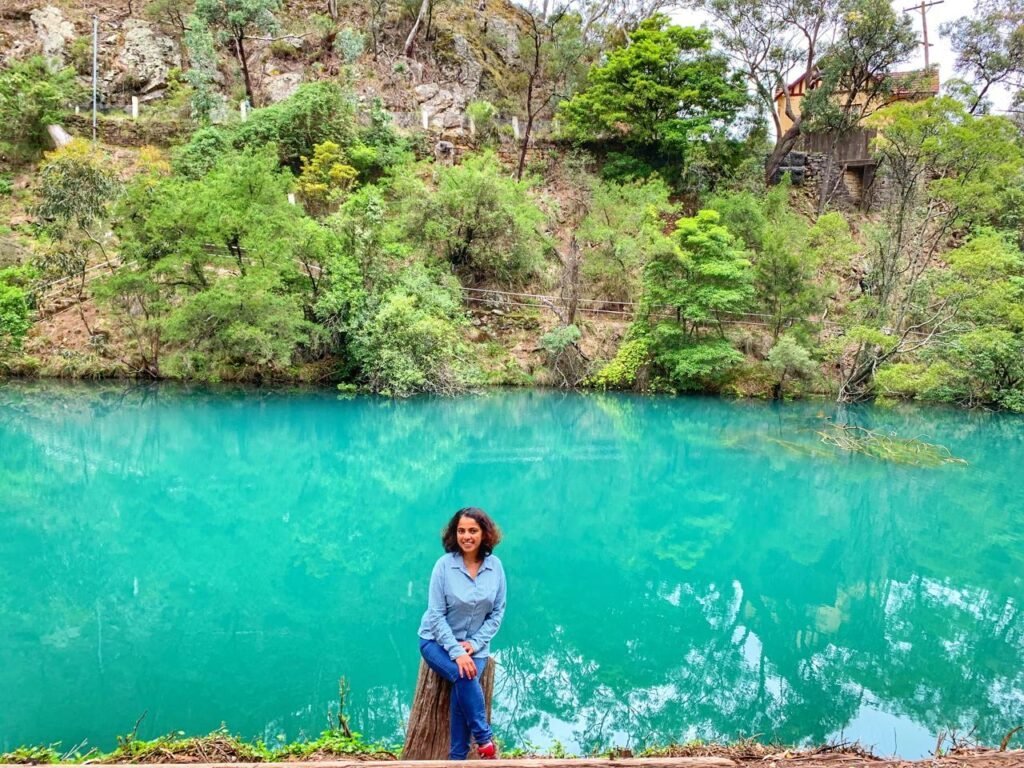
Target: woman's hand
(467, 647)
(467, 667)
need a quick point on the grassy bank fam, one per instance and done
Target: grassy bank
(221, 746)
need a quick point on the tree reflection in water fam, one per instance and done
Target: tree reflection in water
(678, 568)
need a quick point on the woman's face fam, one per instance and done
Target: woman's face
(469, 536)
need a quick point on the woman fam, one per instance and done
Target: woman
(464, 611)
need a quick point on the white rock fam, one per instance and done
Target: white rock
(279, 87)
(426, 92)
(147, 56)
(54, 32)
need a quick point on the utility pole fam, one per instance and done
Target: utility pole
(924, 25)
(95, 70)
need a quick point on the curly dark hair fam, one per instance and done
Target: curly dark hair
(488, 541)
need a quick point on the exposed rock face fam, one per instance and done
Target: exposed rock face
(504, 36)
(146, 56)
(469, 68)
(53, 31)
(445, 107)
(280, 87)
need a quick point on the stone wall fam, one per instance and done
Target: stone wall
(125, 132)
(847, 187)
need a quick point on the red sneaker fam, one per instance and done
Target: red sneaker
(488, 751)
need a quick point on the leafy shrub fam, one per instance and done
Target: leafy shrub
(204, 150)
(315, 113)
(693, 365)
(623, 370)
(80, 54)
(622, 230)
(349, 45)
(485, 120)
(789, 360)
(285, 49)
(409, 340)
(484, 223)
(624, 168)
(325, 179)
(241, 326)
(15, 312)
(32, 95)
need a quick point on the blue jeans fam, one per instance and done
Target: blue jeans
(468, 713)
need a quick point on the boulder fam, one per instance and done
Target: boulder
(53, 31)
(146, 56)
(279, 87)
(426, 92)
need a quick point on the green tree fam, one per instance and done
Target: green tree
(707, 277)
(247, 327)
(239, 21)
(774, 42)
(788, 253)
(202, 72)
(623, 226)
(989, 49)
(687, 294)
(553, 60)
(981, 361)
(315, 113)
(408, 338)
(948, 172)
(221, 272)
(32, 96)
(325, 179)
(15, 312)
(482, 222)
(657, 95)
(788, 359)
(77, 186)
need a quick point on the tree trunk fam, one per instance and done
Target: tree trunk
(783, 146)
(244, 63)
(427, 736)
(410, 41)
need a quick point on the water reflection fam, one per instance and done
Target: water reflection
(678, 568)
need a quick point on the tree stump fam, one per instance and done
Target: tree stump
(427, 736)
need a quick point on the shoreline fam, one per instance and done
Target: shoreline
(335, 749)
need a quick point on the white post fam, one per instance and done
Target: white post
(95, 70)
(426, 118)
(515, 127)
(77, 109)
(472, 126)
(135, 107)
(291, 198)
(244, 109)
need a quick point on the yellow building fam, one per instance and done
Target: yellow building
(909, 86)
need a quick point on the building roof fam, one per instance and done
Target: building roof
(918, 82)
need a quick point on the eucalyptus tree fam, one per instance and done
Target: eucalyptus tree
(553, 61)
(239, 21)
(989, 48)
(772, 42)
(948, 172)
(856, 74)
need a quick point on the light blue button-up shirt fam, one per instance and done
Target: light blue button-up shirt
(460, 607)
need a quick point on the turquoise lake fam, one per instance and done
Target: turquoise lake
(678, 567)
